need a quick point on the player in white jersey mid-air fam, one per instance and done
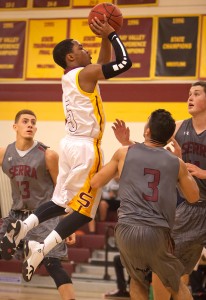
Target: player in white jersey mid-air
(80, 152)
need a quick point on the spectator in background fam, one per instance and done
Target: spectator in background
(121, 291)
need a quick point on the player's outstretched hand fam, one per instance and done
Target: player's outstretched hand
(122, 133)
(175, 149)
(101, 29)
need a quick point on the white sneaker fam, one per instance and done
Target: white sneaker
(14, 234)
(33, 252)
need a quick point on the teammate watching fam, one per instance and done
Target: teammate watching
(32, 169)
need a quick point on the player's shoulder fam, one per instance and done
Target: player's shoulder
(122, 151)
(51, 154)
(178, 125)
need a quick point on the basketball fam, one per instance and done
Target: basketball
(112, 12)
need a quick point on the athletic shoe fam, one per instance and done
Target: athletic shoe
(33, 252)
(10, 241)
(117, 295)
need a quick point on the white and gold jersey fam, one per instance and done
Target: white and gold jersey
(83, 111)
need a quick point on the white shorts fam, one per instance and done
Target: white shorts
(80, 158)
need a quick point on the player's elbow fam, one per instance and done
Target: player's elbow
(124, 65)
(115, 68)
(129, 63)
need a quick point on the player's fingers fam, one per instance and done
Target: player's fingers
(122, 123)
(105, 18)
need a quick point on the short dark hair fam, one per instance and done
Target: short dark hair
(162, 125)
(201, 83)
(23, 112)
(61, 50)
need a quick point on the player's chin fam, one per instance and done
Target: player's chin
(190, 108)
(29, 136)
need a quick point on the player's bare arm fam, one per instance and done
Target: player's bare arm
(187, 184)
(112, 169)
(105, 53)
(52, 159)
(2, 152)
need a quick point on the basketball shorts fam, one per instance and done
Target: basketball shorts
(79, 159)
(189, 233)
(144, 249)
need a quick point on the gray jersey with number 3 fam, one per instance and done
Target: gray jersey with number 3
(147, 187)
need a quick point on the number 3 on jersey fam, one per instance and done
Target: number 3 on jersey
(152, 185)
(24, 189)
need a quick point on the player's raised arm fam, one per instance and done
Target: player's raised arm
(94, 72)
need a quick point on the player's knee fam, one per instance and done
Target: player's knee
(56, 271)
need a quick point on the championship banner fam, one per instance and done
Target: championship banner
(6, 4)
(136, 2)
(12, 49)
(136, 34)
(51, 4)
(88, 3)
(43, 36)
(177, 47)
(80, 31)
(203, 50)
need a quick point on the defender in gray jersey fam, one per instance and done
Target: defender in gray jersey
(32, 169)
(189, 232)
(147, 192)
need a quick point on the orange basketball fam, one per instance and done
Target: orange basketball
(112, 12)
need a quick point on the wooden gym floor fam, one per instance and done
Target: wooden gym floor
(11, 292)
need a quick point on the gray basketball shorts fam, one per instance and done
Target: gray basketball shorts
(146, 248)
(189, 233)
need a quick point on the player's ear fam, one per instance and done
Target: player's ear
(15, 126)
(70, 57)
(147, 131)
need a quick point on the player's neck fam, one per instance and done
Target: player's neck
(23, 144)
(153, 143)
(69, 69)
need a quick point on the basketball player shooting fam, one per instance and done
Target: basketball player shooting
(80, 151)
